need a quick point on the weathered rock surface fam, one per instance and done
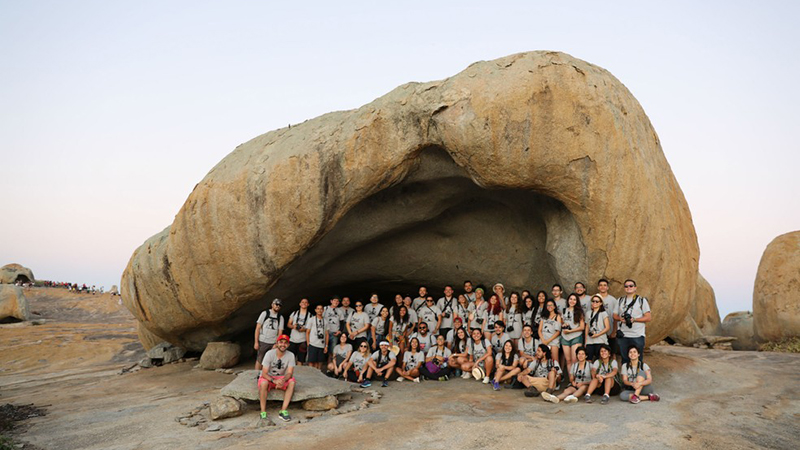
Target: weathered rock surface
(11, 273)
(114, 290)
(703, 318)
(740, 325)
(776, 295)
(147, 338)
(165, 353)
(321, 404)
(311, 383)
(220, 355)
(225, 407)
(542, 164)
(13, 303)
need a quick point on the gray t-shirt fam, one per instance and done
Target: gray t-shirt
(418, 303)
(333, 316)
(277, 366)
(300, 321)
(568, 320)
(514, 321)
(610, 304)
(528, 348)
(429, 315)
(425, 342)
(410, 360)
(342, 352)
(346, 312)
(358, 321)
(478, 349)
(498, 341)
(359, 361)
(582, 374)
(604, 369)
(478, 312)
(586, 304)
(639, 306)
(373, 310)
(549, 328)
(270, 325)
(441, 354)
(470, 296)
(491, 319)
(463, 312)
(632, 373)
(540, 369)
(561, 305)
(514, 358)
(380, 326)
(595, 322)
(315, 325)
(447, 306)
(382, 360)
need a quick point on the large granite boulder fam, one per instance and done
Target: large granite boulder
(311, 383)
(740, 325)
(13, 304)
(531, 169)
(220, 355)
(11, 273)
(776, 295)
(703, 317)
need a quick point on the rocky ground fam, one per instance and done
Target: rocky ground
(70, 367)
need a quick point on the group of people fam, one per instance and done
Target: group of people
(73, 287)
(517, 339)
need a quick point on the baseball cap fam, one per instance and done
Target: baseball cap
(278, 302)
(283, 337)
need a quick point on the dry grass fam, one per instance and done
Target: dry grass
(790, 345)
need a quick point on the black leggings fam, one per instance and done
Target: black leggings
(443, 371)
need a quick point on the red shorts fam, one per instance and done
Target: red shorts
(272, 385)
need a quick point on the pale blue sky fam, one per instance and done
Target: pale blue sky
(111, 112)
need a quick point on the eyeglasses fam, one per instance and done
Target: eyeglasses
(362, 346)
(595, 301)
(359, 305)
(629, 286)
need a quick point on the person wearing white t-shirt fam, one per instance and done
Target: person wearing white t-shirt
(580, 376)
(413, 359)
(604, 372)
(268, 327)
(638, 380)
(446, 305)
(597, 325)
(468, 293)
(317, 338)
(610, 305)
(381, 364)
(633, 313)
(298, 323)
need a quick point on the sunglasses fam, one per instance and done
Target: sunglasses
(629, 286)
(595, 301)
(358, 305)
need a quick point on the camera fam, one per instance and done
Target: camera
(620, 334)
(446, 315)
(479, 320)
(320, 335)
(510, 328)
(628, 319)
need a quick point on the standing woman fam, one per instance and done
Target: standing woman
(550, 328)
(477, 311)
(528, 310)
(381, 327)
(341, 356)
(358, 325)
(460, 354)
(514, 318)
(596, 328)
(493, 314)
(541, 300)
(572, 326)
(604, 373)
(507, 365)
(413, 359)
(637, 379)
(462, 309)
(401, 329)
(356, 369)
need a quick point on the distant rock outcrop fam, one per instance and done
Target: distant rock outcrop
(703, 318)
(530, 169)
(11, 273)
(740, 325)
(13, 303)
(776, 295)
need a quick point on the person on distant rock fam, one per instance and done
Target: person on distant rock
(610, 306)
(446, 305)
(431, 315)
(358, 325)
(413, 359)
(550, 328)
(419, 302)
(334, 323)
(632, 313)
(507, 365)
(426, 340)
(468, 293)
(381, 327)
(356, 369)
(561, 303)
(580, 376)
(341, 355)
(380, 365)
(477, 311)
(637, 379)
(513, 316)
(604, 373)
(542, 374)
(317, 339)
(480, 352)
(268, 327)
(373, 308)
(298, 323)
(277, 373)
(436, 367)
(597, 325)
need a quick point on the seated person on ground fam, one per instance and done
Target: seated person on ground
(278, 368)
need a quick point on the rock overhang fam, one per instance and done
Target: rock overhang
(539, 128)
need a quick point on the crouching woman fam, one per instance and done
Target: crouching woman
(637, 379)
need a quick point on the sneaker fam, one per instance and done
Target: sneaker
(531, 392)
(284, 415)
(485, 380)
(587, 398)
(366, 384)
(604, 401)
(457, 373)
(571, 399)
(495, 385)
(400, 379)
(654, 397)
(635, 399)
(548, 397)
(385, 383)
(416, 380)
(466, 375)
(550, 390)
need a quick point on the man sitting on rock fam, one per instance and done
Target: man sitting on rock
(277, 374)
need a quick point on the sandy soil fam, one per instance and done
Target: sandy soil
(71, 365)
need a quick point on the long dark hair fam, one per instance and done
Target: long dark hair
(577, 310)
(510, 357)
(401, 319)
(545, 313)
(457, 340)
(546, 350)
(386, 322)
(411, 345)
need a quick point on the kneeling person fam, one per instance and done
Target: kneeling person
(278, 368)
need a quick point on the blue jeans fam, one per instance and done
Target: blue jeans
(626, 343)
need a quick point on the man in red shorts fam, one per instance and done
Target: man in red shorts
(278, 368)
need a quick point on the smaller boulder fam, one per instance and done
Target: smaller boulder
(321, 404)
(740, 325)
(13, 303)
(11, 273)
(114, 290)
(165, 353)
(220, 355)
(225, 407)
